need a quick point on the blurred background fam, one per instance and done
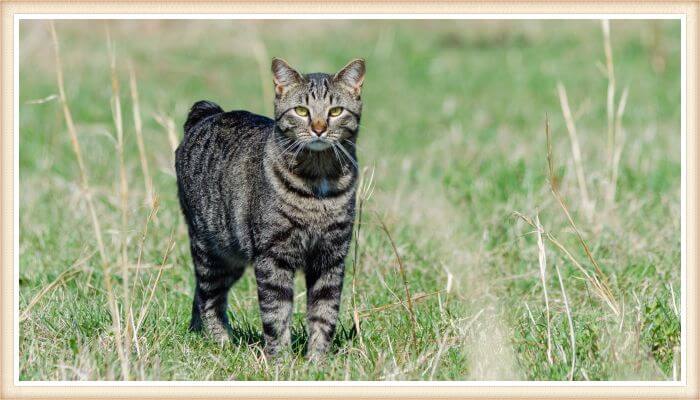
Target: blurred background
(454, 154)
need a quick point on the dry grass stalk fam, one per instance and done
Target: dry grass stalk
(448, 289)
(414, 299)
(600, 281)
(610, 103)
(618, 148)
(556, 242)
(65, 276)
(145, 266)
(138, 128)
(154, 285)
(673, 301)
(542, 258)
(139, 266)
(364, 191)
(615, 143)
(84, 181)
(116, 323)
(169, 125)
(107, 281)
(576, 152)
(402, 271)
(529, 314)
(572, 336)
(590, 278)
(123, 199)
(436, 360)
(42, 100)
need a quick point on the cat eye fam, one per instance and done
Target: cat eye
(335, 111)
(301, 111)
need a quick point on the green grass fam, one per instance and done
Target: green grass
(453, 126)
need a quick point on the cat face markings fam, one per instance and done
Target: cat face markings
(318, 110)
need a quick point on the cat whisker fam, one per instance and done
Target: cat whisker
(286, 149)
(353, 144)
(348, 156)
(301, 147)
(283, 140)
(344, 159)
(290, 145)
(335, 151)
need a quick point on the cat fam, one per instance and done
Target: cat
(275, 193)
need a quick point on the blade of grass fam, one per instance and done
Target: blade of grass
(84, 181)
(589, 277)
(575, 152)
(63, 277)
(363, 194)
(542, 258)
(414, 299)
(558, 244)
(610, 101)
(123, 200)
(572, 335)
(619, 146)
(600, 279)
(436, 360)
(169, 125)
(151, 216)
(448, 289)
(139, 266)
(402, 272)
(138, 128)
(144, 309)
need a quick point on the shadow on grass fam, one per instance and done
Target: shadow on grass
(244, 332)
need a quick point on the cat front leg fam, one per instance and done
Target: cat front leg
(324, 286)
(275, 279)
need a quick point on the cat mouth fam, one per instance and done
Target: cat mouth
(318, 145)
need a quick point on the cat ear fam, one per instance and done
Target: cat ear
(352, 75)
(283, 75)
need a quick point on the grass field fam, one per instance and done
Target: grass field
(454, 132)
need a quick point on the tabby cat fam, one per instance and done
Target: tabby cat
(278, 194)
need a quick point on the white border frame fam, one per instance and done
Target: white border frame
(250, 16)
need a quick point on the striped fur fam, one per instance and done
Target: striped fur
(276, 194)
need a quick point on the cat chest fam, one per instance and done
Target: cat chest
(308, 230)
(307, 244)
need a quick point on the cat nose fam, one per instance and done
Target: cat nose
(319, 126)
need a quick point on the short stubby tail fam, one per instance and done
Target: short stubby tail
(199, 111)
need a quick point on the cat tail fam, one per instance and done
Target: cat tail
(199, 111)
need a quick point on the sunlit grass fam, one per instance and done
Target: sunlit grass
(453, 128)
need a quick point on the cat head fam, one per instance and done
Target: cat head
(318, 110)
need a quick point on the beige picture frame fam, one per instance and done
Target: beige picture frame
(104, 390)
